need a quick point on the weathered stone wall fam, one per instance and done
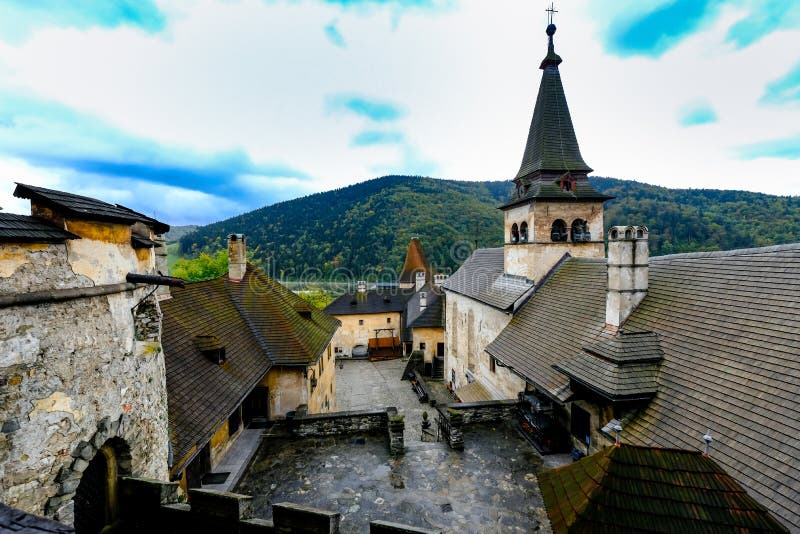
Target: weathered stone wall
(287, 390)
(429, 336)
(72, 370)
(484, 412)
(338, 423)
(351, 333)
(471, 326)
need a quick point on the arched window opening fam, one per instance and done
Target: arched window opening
(558, 232)
(514, 233)
(523, 233)
(580, 231)
(639, 233)
(628, 234)
(613, 234)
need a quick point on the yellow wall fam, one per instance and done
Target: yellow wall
(12, 256)
(289, 387)
(351, 333)
(429, 336)
(325, 372)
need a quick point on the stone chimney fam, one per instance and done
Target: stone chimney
(628, 258)
(439, 279)
(420, 280)
(362, 286)
(237, 260)
(423, 300)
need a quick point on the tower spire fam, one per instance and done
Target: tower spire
(552, 58)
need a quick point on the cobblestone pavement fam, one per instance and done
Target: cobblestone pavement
(489, 487)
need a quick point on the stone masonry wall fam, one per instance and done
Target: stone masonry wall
(485, 412)
(74, 374)
(340, 423)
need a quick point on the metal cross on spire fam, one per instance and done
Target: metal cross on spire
(550, 12)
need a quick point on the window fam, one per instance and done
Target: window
(558, 232)
(579, 231)
(567, 183)
(388, 320)
(360, 322)
(580, 424)
(321, 367)
(514, 233)
(523, 232)
(422, 346)
(492, 365)
(338, 350)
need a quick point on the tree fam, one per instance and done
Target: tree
(204, 267)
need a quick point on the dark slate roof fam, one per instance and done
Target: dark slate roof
(566, 314)
(138, 241)
(257, 323)
(17, 521)
(727, 323)
(546, 187)
(416, 262)
(85, 207)
(26, 229)
(552, 144)
(632, 381)
(386, 300)
(482, 278)
(638, 489)
(629, 347)
(433, 314)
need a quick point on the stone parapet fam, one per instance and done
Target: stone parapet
(387, 527)
(338, 423)
(484, 412)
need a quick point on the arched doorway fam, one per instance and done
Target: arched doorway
(96, 495)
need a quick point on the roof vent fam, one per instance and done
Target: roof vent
(303, 309)
(708, 440)
(211, 347)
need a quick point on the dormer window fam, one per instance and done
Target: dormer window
(514, 233)
(303, 309)
(523, 233)
(567, 183)
(211, 347)
(558, 232)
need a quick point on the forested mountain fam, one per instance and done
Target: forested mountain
(366, 227)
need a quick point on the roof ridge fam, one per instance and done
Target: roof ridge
(727, 253)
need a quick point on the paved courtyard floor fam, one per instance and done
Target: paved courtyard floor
(489, 487)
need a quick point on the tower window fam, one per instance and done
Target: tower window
(558, 232)
(523, 232)
(514, 233)
(567, 183)
(580, 232)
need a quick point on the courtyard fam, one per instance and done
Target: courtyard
(491, 486)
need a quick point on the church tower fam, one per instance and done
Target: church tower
(554, 210)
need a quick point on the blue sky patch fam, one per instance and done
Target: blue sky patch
(654, 32)
(784, 90)
(377, 137)
(334, 35)
(788, 148)
(373, 109)
(765, 17)
(18, 18)
(697, 113)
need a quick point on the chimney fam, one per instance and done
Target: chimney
(237, 260)
(439, 279)
(423, 300)
(628, 258)
(420, 281)
(362, 286)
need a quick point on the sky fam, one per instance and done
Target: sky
(197, 110)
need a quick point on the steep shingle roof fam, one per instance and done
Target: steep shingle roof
(86, 207)
(257, 322)
(566, 314)
(388, 300)
(482, 278)
(13, 520)
(26, 229)
(432, 316)
(638, 489)
(728, 326)
(416, 262)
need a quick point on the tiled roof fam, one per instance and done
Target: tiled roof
(566, 314)
(257, 323)
(552, 144)
(416, 262)
(728, 327)
(86, 207)
(638, 489)
(433, 314)
(482, 278)
(26, 229)
(632, 381)
(13, 520)
(476, 391)
(386, 300)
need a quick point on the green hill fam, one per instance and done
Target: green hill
(365, 228)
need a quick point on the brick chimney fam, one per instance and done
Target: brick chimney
(237, 260)
(628, 258)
